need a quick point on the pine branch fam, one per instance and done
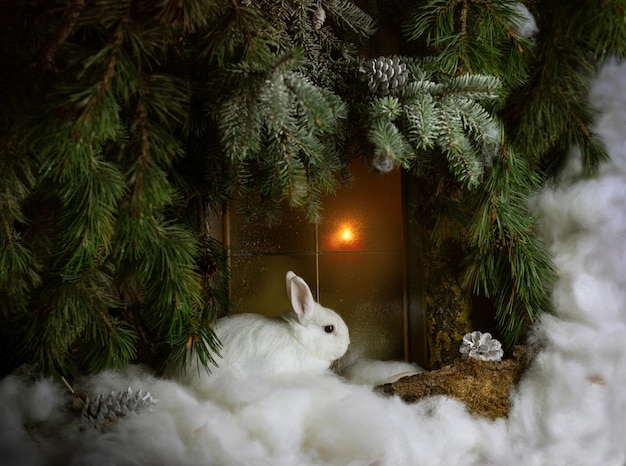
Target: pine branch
(509, 263)
(429, 114)
(480, 123)
(423, 122)
(462, 157)
(111, 343)
(66, 26)
(550, 112)
(390, 146)
(61, 319)
(237, 34)
(472, 37)
(474, 87)
(18, 268)
(319, 114)
(350, 16)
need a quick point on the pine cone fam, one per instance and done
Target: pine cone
(481, 346)
(383, 163)
(385, 74)
(104, 411)
(319, 18)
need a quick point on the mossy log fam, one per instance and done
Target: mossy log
(484, 386)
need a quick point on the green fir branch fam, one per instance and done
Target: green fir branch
(462, 156)
(423, 122)
(350, 16)
(482, 125)
(240, 125)
(474, 87)
(389, 142)
(318, 113)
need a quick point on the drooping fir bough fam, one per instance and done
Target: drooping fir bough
(419, 114)
(124, 123)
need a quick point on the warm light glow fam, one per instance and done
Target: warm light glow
(346, 235)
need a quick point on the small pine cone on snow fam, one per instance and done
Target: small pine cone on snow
(107, 410)
(385, 74)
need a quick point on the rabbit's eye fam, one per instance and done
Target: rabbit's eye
(329, 328)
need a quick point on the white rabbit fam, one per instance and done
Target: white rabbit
(306, 339)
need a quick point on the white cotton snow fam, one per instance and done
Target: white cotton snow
(523, 23)
(569, 408)
(319, 420)
(358, 369)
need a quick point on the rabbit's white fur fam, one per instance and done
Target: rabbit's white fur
(307, 339)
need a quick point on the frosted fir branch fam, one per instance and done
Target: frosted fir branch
(351, 16)
(312, 102)
(444, 114)
(391, 148)
(463, 160)
(462, 157)
(423, 86)
(278, 102)
(423, 122)
(478, 121)
(240, 124)
(387, 108)
(474, 86)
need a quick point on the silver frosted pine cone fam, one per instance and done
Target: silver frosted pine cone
(103, 411)
(385, 74)
(481, 346)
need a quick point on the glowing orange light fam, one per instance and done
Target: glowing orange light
(346, 235)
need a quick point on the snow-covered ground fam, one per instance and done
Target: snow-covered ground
(569, 409)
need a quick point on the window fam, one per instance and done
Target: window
(353, 259)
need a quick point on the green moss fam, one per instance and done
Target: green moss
(448, 316)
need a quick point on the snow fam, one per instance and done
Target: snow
(523, 23)
(567, 410)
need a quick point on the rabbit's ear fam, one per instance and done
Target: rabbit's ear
(301, 297)
(290, 275)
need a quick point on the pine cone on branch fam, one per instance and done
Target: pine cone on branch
(319, 18)
(385, 74)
